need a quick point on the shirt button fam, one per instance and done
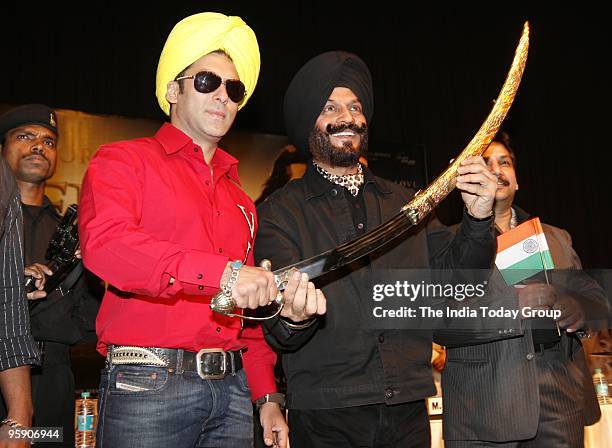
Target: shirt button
(200, 287)
(200, 276)
(388, 394)
(381, 338)
(529, 356)
(195, 149)
(218, 329)
(334, 192)
(220, 250)
(360, 226)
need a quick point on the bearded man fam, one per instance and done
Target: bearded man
(349, 385)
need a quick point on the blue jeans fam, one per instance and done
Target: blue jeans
(152, 407)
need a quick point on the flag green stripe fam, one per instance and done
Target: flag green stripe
(527, 267)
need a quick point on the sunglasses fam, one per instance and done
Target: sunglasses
(206, 82)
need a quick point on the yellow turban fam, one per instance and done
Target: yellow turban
(201, 34)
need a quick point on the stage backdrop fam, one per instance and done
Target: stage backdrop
(82, 133)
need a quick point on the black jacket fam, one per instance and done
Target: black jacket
(59, 321)
(338, 362)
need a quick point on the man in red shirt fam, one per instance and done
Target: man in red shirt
(165, 222)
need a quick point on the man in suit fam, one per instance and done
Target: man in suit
(527, 384)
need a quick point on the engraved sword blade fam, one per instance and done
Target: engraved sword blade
(424, 201)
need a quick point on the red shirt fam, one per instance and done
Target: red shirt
(151, 209)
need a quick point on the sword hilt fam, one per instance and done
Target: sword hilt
(281, 280)
(224, 304)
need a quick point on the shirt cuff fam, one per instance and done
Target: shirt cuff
(260, 377)
(477, 228)
(19, 351)
(200, 273)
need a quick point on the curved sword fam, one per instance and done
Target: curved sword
(421, 204)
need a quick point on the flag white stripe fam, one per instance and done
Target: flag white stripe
(516, 252)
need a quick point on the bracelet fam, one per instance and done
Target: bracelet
(300, 326)
(235, 266)
(12, 423)
(271, 398)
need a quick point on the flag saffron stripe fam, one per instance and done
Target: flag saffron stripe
(519, 233)
(533, 244)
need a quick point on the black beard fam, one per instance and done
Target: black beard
(323, 151)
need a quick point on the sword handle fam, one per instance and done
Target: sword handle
(266, 264)
(278, 279)
(223, 304)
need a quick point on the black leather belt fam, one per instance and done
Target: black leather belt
(208, 363)
(543, 347)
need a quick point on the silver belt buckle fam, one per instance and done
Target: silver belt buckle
(211, 376)
(132, 355)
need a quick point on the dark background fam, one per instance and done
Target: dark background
(436, 71)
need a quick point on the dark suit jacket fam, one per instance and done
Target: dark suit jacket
(490, 390)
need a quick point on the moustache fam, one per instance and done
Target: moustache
(331, 129)
(36, 156)
(502, 181)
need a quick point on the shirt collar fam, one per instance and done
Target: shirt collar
(173, 140)
(222, 163)
(47, 207)
(317, 185)
(351, 182)
(521, 215)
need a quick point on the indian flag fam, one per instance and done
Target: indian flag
(523, 252)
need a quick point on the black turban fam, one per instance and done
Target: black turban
(312, 85)
(28, 114)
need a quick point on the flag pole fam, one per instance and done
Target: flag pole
(544, 262)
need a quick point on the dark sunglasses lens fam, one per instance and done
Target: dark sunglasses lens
(235, 90)
(206, 82)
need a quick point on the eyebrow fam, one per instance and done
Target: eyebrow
(501, 158)
(44, 134)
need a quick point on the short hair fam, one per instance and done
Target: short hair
(503, 138)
